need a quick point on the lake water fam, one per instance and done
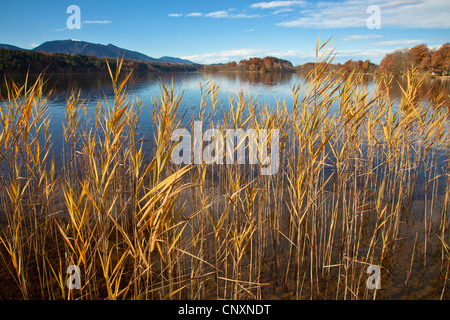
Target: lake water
(265, 89)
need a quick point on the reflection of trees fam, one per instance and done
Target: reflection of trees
(430, 91)
(86, 82)
(437, 88)
(94, 83)
(269, 79)
(59, 83)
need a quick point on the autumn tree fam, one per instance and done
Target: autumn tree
(266, 64)
(419, 53)
(425, 64)
(358, 66)
(420, 56)
(397, 63)
(440, 60)
(366, 65)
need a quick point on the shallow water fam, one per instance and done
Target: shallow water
(423, 280)
(262, 88)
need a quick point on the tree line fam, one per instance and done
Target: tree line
(433, 61)
(365, 66)
(263, 65)
(426, 60)
(21, 62)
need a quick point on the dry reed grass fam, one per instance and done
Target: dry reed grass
(364, 184)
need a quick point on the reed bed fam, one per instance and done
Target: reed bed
(361, 182)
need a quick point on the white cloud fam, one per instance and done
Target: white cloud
(282, 10)
(194, 14)
(97, 21)
(277, 4)
(322, 24)
(218, 14)
(374, 54)
(434, 46)
(247, 16)
(353, 13)
(239, 54)
(222, 56)
(227, 14)
(249, 30)
(294, 55)
(175, 15)
(33, 45)
(400, 42)
(361, 37)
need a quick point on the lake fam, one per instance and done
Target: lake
(264, 88)
(310, 231)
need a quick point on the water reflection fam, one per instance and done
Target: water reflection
(268, 87)
(265, 87)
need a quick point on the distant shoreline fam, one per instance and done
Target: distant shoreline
(444, 78)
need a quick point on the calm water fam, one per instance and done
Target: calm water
(264, 89)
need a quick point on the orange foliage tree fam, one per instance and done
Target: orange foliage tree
(440, 59)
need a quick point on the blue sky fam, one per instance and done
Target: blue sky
(223, 31)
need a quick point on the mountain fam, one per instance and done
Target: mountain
(99, 50)
(175, 60)
(8, 46)
(93, 49)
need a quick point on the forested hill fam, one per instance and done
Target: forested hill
(99, 50)
(267, 64)
(92, 49)
(21, 62)
(8, 46)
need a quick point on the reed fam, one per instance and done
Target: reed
(362, 181)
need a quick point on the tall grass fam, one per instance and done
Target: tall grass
(362, 182)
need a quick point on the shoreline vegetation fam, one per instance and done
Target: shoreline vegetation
(364, 185)
(433, 62)
(31, 62)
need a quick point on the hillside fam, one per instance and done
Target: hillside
(93, 49)
(175, 60)
(11, 47)
(100, 51)
(21, 62)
